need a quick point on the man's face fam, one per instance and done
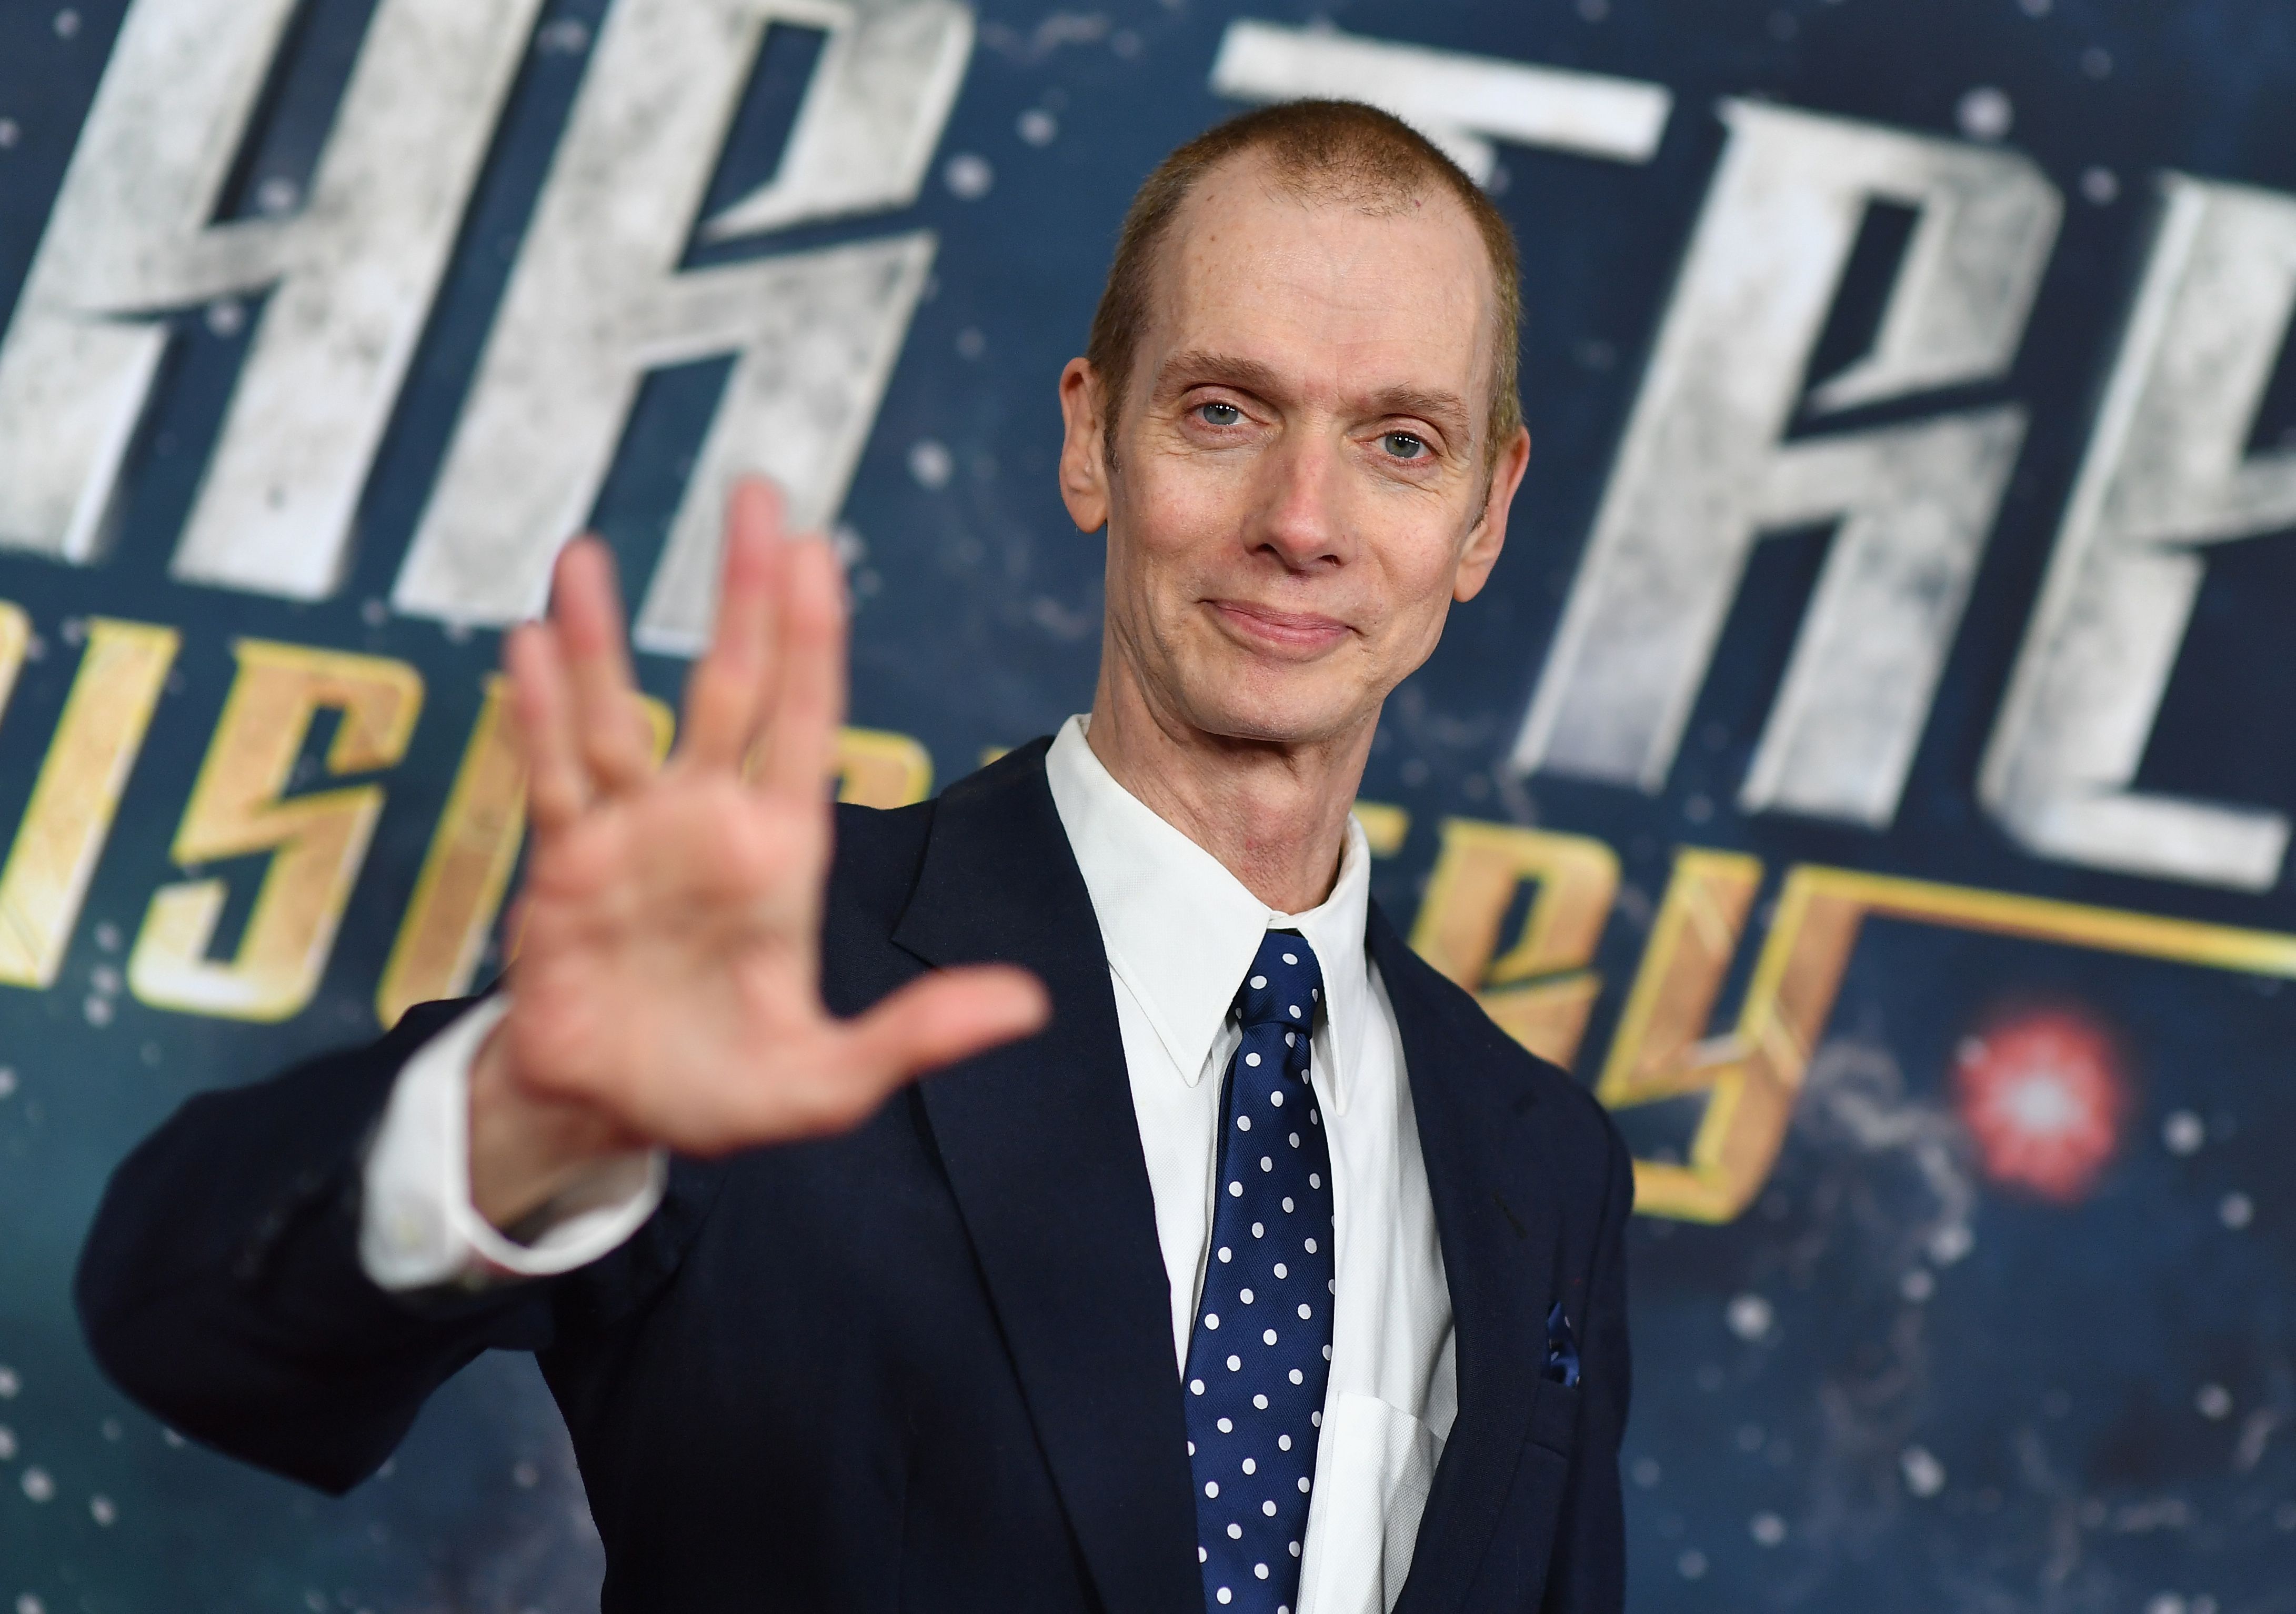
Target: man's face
(1300, 487)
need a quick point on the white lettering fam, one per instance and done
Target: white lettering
(351, 279)
(2164, 477)
(598, 299)
(1703, 473)
(1460, 103)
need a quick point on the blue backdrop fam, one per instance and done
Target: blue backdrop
(1914, 1373)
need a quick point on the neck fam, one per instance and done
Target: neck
(1274, 813)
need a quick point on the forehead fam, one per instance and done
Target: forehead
(1328, 292)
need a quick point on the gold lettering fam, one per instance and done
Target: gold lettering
(1540, 992)
(15, 636)
(877, 769)
(1656, 1053)
(69, 814)
(1754, 1074)
(318, 842)
(1384, 826)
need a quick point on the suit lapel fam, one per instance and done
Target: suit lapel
(1496, 1220)
(1043, 1153)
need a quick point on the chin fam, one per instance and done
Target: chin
(1277, 715)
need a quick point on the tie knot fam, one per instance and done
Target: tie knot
(1285, 983)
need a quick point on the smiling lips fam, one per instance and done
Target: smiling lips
(1300, 633)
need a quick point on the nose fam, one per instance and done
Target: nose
(1303, 507)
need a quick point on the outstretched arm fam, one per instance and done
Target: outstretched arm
(221, 1285)
(666, 994)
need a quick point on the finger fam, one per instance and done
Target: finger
(808, 702)
(588, 609)
(541, 719)
(513, 933)
(949, 1015)
(723, 697)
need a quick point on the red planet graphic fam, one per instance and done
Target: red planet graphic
(2042, 1093)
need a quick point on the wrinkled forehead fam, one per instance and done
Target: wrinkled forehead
(1344, 286)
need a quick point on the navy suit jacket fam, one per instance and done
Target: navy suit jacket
(927, 1364)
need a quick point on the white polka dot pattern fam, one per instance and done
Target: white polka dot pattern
(1253, 1414)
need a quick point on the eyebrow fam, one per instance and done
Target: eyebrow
(1197, 365)
(1445, 411)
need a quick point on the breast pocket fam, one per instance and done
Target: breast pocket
(1523, 1547)
(1555, 1417)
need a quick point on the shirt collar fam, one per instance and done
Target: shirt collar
(1181, 931)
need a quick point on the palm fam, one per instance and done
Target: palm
(668, 950)
(667, 979)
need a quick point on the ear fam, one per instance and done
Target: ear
(1084, 451)
(1488, 535)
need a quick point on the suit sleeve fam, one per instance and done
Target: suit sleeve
(221, 1284)
(1588, 1572)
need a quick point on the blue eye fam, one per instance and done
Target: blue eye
(1219, 414)
(1403, 445)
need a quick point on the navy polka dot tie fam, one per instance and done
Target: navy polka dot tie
(1262, 1349)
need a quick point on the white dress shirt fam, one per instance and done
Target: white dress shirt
(1180, 932)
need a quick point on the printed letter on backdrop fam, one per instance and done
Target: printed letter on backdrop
(2167, 473)
(240, 806)
(349, 279)
(1703, 473)
(97, 739)
(598, 299)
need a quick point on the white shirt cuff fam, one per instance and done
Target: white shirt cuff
(418, 1228)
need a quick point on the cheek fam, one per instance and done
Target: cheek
(1415, 589)
(1174, 527)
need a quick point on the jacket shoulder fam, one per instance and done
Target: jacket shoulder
(878, 855)
(881, 852)
(1560, 1098)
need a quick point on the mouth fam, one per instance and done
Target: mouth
(1295, 632)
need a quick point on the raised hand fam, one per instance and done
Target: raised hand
(667, 989)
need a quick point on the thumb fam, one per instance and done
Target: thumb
(949, 1015)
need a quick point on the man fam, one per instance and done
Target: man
(1231, 1259)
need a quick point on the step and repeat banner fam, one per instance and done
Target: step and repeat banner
(1870, 769)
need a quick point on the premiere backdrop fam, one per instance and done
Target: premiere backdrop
(1869, 768)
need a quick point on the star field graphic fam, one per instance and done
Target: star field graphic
(2011, 1323)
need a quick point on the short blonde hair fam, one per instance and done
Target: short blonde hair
(1324, 150)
